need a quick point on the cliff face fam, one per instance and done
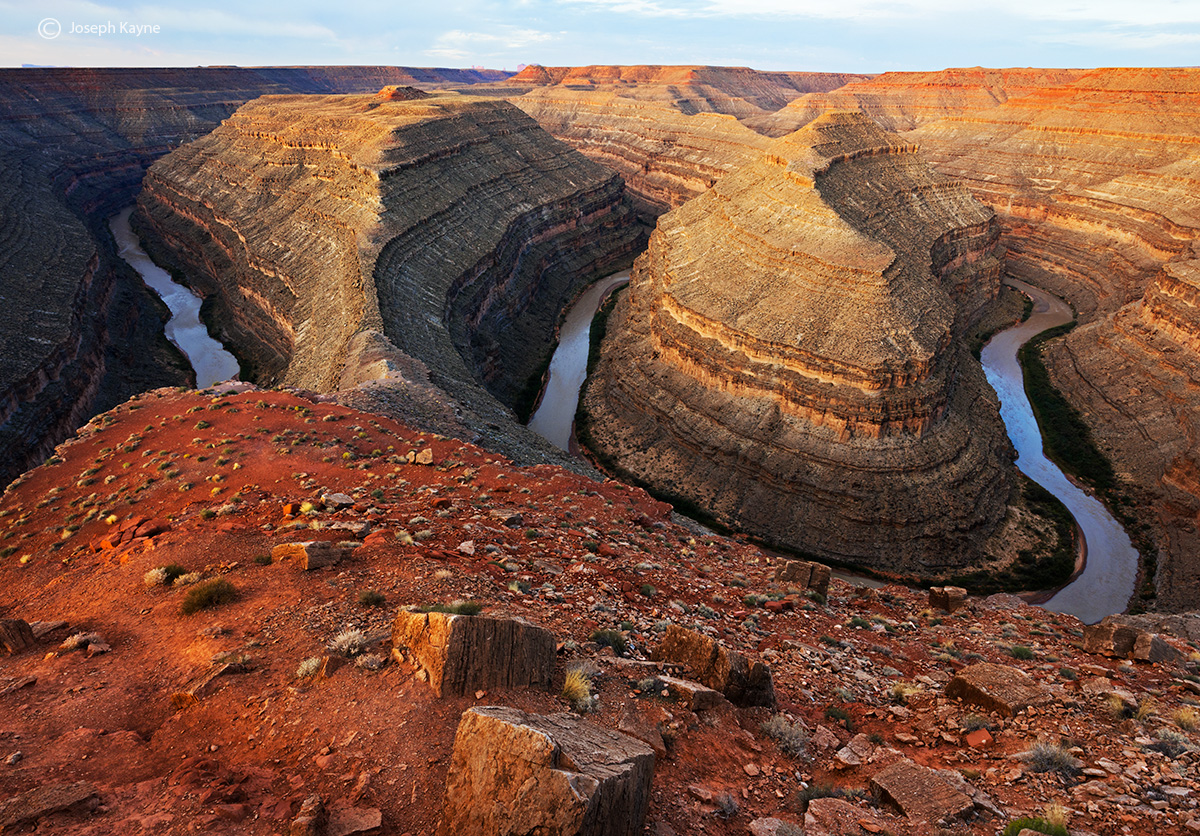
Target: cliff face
(903, 101)
(739, 91)
(664, 156)
(455, 226)
(79, 331)
(788, 355)
(1095, 184)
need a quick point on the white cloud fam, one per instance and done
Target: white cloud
(458, 44)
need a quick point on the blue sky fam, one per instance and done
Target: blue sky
(829, 35)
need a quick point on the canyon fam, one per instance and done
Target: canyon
(447, 230)
(78, 329)
(790, 357)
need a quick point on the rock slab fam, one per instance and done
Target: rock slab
(462, 654)
(921, 793)
(997, 688)
(948, 598)
(15, 635)
(517, 773)
(312, 554)
(43, 801)
(743, 682)
(805, 574)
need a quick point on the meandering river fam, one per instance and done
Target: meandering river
(1106, 583)
(554, 418)
(211, 362)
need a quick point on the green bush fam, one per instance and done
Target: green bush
(371, 598)
(454, 608)
(792, 738)
(1020, 651)
(1035, 823)
(208, 594)
(610, 638)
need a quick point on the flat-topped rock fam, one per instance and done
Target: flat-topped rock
(42, 801)
(742, 681)
(311, 554)
(999, 688)
(921, 793)
(558, 775)
(461, 654)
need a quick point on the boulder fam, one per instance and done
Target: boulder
(15, 635)
(556, 775)
(1109, 638)
(920, 793)
(311, 820)
(999, 688)
(312, 554)
(698, 697)
(742, 681)
(804, 574)
(948, 598)
(834, 817)
(465, 653)
(337, 501)
(1150, 647)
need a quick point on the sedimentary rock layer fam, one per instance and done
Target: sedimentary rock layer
(788, 355)
(1095, 184)
(739, 91)
(79, 332)
(903, 101)
(455, 226)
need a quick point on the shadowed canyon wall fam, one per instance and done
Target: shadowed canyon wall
(788, 356)
(78, 330)
(452, 228)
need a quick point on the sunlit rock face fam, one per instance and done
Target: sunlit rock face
(788, 358)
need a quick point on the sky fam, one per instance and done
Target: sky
(862, 36)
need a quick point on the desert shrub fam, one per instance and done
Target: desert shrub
(648, 590)
(209, 594)
(1170, 743)
(154, 577)
(792, 738)
(577, 690)
(974, 722)
(1051, 757)
(1036, 823)
(371, 598)
(188, 579)
(1019, 651)
(308, 667)
(858, 623)
(370, 661)
(81, 640)
(610, 638)
(262, 559)
(1186, 718)
(1146, 709)
(348, 643)
(459, 607)
(900, 692)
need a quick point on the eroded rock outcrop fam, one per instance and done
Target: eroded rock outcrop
(78, 330)
(453, 227)
(788, 355)
(517, 773)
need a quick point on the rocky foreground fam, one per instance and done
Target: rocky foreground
(730, 691)
(791, 359)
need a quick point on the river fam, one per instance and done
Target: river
(1107, 581)
(554, 418)
(209, 359)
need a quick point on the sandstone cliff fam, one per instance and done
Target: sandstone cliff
(788, 355)
(901, 101)
(78, 330)
(739, 91)
(455, 226)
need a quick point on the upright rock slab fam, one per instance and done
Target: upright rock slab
(464, 653)
(789, 355)
(742, 681)
(517, 774)
(15, 635)
(997, 688)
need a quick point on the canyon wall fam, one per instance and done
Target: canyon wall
(453, 226)
(789, 359)
(80, 332)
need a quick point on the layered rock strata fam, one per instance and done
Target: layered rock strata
(79, 331)
(739, 91)
(1095, 184)
(901, 101)
(454, 228)
(788, 355)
